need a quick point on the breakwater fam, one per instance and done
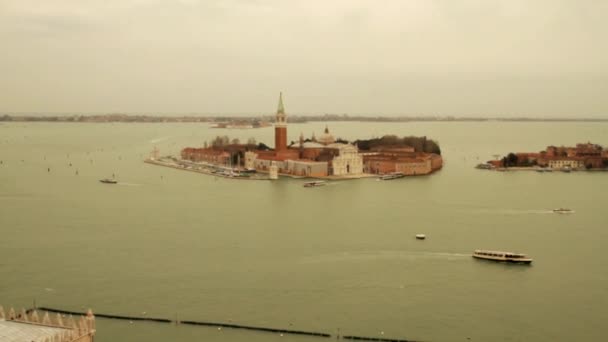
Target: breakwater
(223, 325)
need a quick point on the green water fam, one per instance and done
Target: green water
(336, 258)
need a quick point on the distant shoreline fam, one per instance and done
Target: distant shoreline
(127, 118)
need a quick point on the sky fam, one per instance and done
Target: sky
(486, 58)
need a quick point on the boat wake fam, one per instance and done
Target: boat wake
(129, 184)
(381, 255)
(157, 140)
(517, 211)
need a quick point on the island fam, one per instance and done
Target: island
(314, 157)
(584, 156)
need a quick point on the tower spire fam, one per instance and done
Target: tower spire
(281, 117)
(280, 127)
(281, 108)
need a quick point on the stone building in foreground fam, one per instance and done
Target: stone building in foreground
(34, 327)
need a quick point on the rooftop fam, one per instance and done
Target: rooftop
(11, 331)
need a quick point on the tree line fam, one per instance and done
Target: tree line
(420, 144)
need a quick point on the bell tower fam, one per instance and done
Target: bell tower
(280, 127)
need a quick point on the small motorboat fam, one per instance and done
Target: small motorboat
(517, 258)
(420, 236)
(393, 175)
(108, 181)
(314, 183)
(563, 211)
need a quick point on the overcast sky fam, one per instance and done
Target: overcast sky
(429, 57)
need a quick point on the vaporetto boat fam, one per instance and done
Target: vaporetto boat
(502, 256)
(563, 211)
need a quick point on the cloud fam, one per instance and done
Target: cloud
(190, 47)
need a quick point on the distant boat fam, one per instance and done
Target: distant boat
(566, 169)
(502, 256)
(108, 181)
(314, 183)
(420, 236)
(484, 166)
(393, 175)
(563, 211)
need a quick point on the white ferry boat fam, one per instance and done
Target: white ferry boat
(314, 183)
(393, 175)
(563, 211)
(502, 256)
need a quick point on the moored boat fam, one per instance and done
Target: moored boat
(484, 166)
(108, 181)
(502, 256)
(393, 175)
(314, 183)
(420, 236)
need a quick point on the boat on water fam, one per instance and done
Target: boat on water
(108, 181)
(563, 211)
(502, 256)
(314, 183)
(392, 175)
(420, 236)
(484, 166)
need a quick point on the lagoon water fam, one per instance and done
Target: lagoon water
(338, 259)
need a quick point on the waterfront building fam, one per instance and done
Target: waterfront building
(314, 157)
(565, 163)
(348, 161)
(384, 160)
(29, 326)
(207, 155)
(273, 172)
(587, 155)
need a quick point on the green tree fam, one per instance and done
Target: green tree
(511, 160)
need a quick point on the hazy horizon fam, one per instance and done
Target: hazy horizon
(492, 58)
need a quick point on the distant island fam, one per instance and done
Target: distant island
(322, 156)
(258, 121)
(585, 156)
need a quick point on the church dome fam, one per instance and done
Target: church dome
(326, 138)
